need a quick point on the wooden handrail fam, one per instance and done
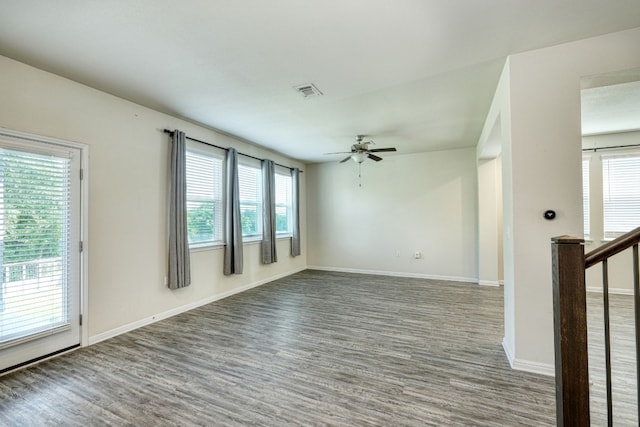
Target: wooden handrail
(611, 248)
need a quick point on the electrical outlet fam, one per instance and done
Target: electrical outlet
(166, 280)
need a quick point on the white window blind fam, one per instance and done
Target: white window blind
(621, 194)
(204, 198)
(250, 183)
(585, 197)
(283, 203)
(34, 227)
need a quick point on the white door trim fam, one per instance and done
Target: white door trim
(84, 217)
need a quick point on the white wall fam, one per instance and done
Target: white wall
(542, 170)
(490, 265)
(128, 179)
(494, 143)
(621, 265)
(414, 202)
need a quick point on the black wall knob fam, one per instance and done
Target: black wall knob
(550, 214)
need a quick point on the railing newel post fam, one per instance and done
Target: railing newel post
(570, 331)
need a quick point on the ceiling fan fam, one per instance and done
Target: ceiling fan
(360, 151)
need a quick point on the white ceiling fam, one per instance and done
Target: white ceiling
(611, 108)
(415, 74)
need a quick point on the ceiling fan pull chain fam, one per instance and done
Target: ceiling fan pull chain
(359, 174)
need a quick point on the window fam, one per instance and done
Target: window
(204, 198)
(250, 183)
(283, 203)
(621, 194)
(204, 169)
(585, 196)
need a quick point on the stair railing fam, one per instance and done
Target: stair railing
(570, 323)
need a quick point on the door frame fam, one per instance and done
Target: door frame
(83, 274)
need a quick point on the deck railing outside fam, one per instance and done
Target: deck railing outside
(31, 296)
(29, 270)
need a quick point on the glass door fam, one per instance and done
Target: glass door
(39, 250)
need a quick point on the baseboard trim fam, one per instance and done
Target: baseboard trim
(534, 367)
(527, 365)
(394, 274)
(492, 283)
(613, 291)
(184, 308)
(507, 352)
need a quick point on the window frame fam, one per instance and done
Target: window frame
(596, 186)
(249, 163)
(198, 149)
(607, 188)
(286, 173)
(586, 196)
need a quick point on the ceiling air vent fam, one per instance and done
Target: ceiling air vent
(308, 90)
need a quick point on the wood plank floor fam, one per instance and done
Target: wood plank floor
(314, 348)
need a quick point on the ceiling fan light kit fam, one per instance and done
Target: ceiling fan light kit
(359, 157)
(361, 152)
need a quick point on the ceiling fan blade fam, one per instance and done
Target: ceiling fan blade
(378, 150)
(345, 159)
(338, 152)
(374, 157)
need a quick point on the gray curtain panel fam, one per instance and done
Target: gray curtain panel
(232, 221)
(295, 215)
(268, 244)
(179, 262)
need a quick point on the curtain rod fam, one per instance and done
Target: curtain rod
(610, 147)
(170, 132)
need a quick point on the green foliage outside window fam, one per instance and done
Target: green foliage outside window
(200, 222)
(282, 225)
(249, 220)
(33, 198)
